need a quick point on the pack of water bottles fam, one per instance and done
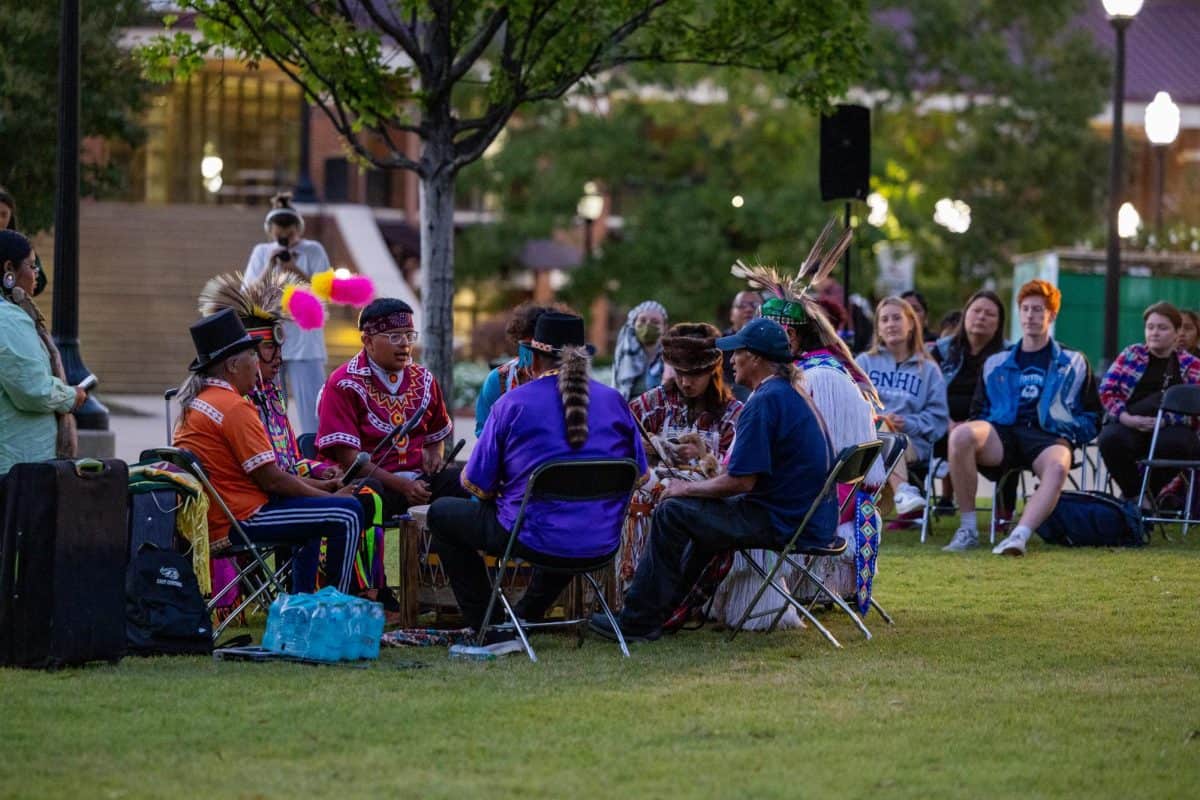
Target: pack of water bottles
(325, 626)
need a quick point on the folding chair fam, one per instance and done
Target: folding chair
(1184, 400)
(927, 513)
(257, 577)
(566, 481)
(850, 468)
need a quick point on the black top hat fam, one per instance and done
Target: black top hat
(218, 336)
(554, 330)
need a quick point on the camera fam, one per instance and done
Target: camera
(285, 255)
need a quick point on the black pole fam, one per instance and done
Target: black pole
(65, 325)
(305, 192)
(846, 261)
(1112, 272)
(1160, 153)
(587, 240)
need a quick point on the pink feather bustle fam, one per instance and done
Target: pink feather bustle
(356, 290)
(304, 307)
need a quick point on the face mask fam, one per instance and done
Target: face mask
(647, 334)
(524, 355)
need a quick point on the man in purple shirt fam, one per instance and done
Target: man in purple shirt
(560, 414)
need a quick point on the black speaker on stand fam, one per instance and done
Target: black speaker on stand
(846, 163)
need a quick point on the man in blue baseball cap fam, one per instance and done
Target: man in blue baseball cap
(779, 460)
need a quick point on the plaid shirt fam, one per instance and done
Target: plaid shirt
(1128, 369)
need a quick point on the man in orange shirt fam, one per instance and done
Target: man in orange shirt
(220, 427)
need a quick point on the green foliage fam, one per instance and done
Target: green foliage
(1017, 147)
(112, 92)
(1069, 673)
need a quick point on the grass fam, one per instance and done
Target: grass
(1066, 673)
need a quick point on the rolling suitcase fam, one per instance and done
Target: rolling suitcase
(62, 563)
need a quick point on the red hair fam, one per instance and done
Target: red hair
(1043, 289)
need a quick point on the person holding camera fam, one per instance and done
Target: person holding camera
(303, 351)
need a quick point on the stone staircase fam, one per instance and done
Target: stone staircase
(141, 268)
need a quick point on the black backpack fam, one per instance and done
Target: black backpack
(1094, 519)
(164, 612)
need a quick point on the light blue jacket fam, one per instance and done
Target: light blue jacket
(914, 389)
(29, 392)
(1070, 404)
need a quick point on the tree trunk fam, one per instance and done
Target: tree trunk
(437, 266)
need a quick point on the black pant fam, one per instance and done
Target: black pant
(443, 484)
(1122, 446)
(685, 532)
(459, 530)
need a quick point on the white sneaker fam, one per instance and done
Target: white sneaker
(964, 539)
(907, 499)
(1013, 545)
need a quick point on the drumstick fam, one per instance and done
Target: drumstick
(453, 452)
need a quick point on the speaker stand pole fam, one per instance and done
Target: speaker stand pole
(846, 257)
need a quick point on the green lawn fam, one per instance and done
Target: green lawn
(1066, 673)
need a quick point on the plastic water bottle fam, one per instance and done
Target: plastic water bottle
(373, 629)
(295, 625)
(339, 643)
(356, 623)
(272, 636)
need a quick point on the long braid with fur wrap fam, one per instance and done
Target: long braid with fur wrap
(573, 388)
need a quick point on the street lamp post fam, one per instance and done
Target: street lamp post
(65, 326)
(590, 208)
(1120, 14)
(1162, 126)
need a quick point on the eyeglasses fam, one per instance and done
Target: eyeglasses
(401, 338)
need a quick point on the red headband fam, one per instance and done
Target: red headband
(397, 320)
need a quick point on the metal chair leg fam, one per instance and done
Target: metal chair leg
(512, 615)
(839, 602)
(886, 616)
(769, 580)
(612, 620)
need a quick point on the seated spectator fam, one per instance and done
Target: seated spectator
(560, 414)
(221, 428)
(853, 318)
(1036, 400)
(960, 356)
(921, 306)
(779, 461)
(637, 362)
(1132, 391)
(912, 390)
(949, 323)
(1189, 332)
(745, 307)
(515, 371)
(35, 400)
(372, 394)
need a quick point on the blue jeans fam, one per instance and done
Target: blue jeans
(304, 522)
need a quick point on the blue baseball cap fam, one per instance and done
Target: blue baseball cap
(761, 336)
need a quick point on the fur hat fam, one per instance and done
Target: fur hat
(690, 347)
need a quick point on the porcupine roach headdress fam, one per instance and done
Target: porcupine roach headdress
(263, 303)
(790, 301)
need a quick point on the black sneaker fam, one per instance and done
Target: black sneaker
(599, 624)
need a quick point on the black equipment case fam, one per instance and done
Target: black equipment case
(62, 563)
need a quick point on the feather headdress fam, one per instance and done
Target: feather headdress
(277, 295)
(791, 300)
(815, 268)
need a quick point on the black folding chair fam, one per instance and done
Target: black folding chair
(260, 581)
(1184, 400)
(850, 468)
(566, 481)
